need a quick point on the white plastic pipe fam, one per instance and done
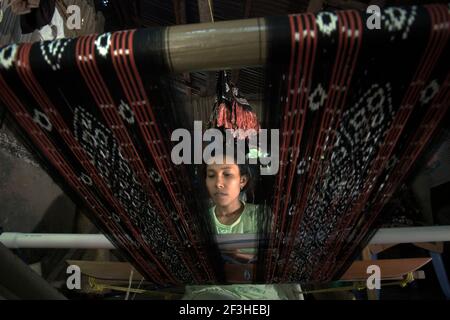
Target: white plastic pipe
(411, 235)
(16, 240)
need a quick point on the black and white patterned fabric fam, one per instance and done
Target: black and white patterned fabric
(357, 106)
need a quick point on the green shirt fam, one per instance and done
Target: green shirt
(246, 223)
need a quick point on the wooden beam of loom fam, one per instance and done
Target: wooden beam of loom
(391, 269)
(119, 272)
(247, 47)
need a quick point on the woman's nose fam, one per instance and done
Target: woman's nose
(219, 183)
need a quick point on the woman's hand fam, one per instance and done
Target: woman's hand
(240, 256)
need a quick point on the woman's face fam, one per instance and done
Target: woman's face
(224, 182)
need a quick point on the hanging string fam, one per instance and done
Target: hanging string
(130, 280)
(139, 285)
(7, 5)
(210, 11)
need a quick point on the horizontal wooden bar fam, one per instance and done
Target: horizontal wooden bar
(219, 45)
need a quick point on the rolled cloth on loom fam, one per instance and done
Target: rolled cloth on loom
(355, 107)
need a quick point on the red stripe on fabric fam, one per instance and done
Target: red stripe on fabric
(290, 128)
(302, 110)
(40, 96)
(331, 93)
(161, 149)
(405, 109)
(278, 185)
(352, 16)
(293, 228)
(160, 165)
(45, 146)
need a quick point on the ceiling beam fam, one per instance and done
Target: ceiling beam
(380, 3)
(206, 14)
(347, 4)
(236, 73)
(179, 7)
(248, 8)
(315, 6)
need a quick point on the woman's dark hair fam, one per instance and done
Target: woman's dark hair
(249, 171)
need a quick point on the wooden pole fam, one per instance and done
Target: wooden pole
(219, 45)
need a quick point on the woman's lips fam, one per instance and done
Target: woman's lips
(220, 194)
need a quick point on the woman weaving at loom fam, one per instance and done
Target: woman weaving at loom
(228, 183)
